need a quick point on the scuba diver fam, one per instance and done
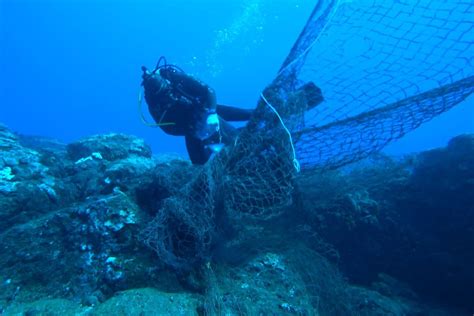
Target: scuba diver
(181, 105)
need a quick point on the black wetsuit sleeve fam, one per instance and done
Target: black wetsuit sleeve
(230, 113)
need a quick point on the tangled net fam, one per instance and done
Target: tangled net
(384, 67)
(359, 76)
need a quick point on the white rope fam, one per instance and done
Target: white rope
(296, 163)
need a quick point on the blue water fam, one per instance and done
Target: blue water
(72, 68)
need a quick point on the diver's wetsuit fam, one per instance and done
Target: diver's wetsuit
(185, 106)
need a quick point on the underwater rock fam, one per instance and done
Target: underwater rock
(446, 171)
(169, 175)
(423, 234)
(263, 286)
(132, 174)
(69, 226)
(87, 174)
(35, 181)
(89, 247)
(103, 162)
(148, 301)
(296, 282)
(23, 163)
(71, 217)
(46, 307)
(438, 216)
(43, 144)
(366, 302)
(143, 301)
(28, 187)
(123, 172)
(110, 147)
(7, 138)
(391, 287)
(6, 185)
(335, 211)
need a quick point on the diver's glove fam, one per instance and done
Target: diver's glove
(213, 144)
(206, 125)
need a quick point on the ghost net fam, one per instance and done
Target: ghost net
(360, 75)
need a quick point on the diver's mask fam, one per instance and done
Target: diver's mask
(152, 81)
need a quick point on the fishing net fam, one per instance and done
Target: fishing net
(360, 75)
(384, 67)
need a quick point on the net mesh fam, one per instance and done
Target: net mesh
(410, 60)
(359, 76)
